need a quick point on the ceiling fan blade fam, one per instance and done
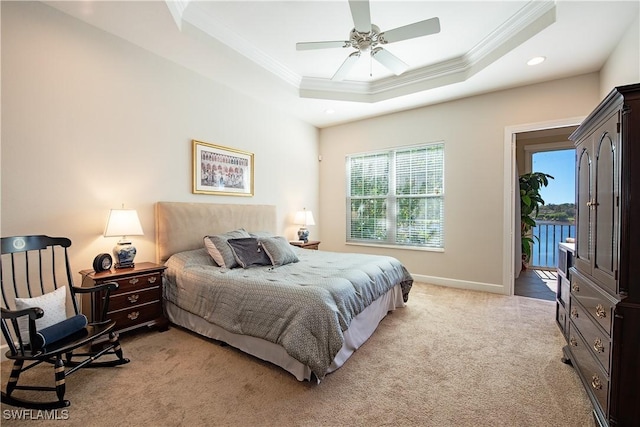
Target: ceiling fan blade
(361, 15)
(346, 66)
(417, 29)
(389, 60)
(321, 45)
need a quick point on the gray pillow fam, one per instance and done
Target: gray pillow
(219, 249)
(248, 252)
(278, 250)
(260, 234)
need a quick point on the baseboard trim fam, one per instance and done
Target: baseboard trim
(461, 284)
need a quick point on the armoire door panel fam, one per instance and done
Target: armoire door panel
(605, 222)
(583, 209)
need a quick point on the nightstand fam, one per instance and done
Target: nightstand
(311, 244)
(138, 300)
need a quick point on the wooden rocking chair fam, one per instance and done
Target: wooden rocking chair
(36, 279)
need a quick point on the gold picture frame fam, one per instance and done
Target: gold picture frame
(221, 170)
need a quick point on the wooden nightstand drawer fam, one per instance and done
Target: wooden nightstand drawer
(133, 316)
(137, 282)
(138, 300)
(123, 300)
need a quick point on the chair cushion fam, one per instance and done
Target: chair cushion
(60, 330)
(54, 305)
(248, 252)
(278, 250)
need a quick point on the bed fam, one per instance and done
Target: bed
(308, 317)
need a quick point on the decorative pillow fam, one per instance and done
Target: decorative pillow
(278, 250)
(220, 251)
(248, 252)
(54, 305)
(261, 234)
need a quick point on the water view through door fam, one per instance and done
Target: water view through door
(556, 219)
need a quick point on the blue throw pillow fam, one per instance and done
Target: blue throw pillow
(59, 331)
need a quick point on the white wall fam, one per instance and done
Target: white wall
(90, 121)
(473, 132)
(623, 65)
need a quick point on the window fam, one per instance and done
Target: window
(396, 197)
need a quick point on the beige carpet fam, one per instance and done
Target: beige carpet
(450, 358)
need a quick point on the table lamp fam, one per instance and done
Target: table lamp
(304, 218)
(123, 223)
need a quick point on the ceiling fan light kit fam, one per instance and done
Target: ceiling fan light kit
(365, 37)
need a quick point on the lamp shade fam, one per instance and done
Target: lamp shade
(304, 217)
(123, 222)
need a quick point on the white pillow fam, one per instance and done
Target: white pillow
(54, 305)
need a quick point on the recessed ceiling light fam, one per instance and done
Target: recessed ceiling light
(329, 111)
(537, 60)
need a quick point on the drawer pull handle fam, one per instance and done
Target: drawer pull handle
(152, 279)
(133, 298)
(600, 311)
(575, 287)
(574, 313)
(133, 315)
(133, 281)
(573, 342)
(597, 345)
(595, 382)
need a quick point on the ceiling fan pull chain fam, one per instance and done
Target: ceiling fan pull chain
(370, 66)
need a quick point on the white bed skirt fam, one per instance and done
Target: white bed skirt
(361, 328)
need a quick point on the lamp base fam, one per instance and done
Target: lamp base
(124, 253)
(303, 234)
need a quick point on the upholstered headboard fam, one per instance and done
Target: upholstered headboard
(181, 226)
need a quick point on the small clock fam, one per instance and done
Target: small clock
(102, 262)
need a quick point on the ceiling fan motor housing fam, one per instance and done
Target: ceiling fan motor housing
(365, 41)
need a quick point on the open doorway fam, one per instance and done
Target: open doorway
(548, 151)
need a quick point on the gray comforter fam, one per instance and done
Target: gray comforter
(304, 306)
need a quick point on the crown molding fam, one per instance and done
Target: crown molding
(177, 8)
(527, 22)
(524, 24)
(204, 21)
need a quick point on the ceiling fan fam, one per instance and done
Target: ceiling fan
(365, 37)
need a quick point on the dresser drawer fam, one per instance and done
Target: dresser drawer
(140, 281)
(596, 382)
(594, 301)
(124, 300)
(597, 342)
(561, 318)
(136, 315)
(563, 290)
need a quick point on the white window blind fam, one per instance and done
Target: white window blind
(396, 197)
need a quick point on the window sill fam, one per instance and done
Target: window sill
(399, 247)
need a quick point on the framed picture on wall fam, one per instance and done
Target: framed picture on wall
(221, 170)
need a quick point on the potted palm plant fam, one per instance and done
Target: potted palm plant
(530, 202)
